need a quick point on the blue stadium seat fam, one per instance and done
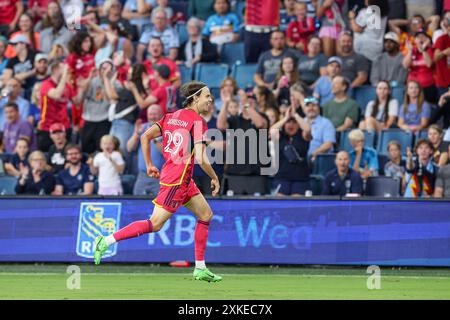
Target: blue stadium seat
(182, 32)
(316, 184)
(363, 95)
(243, 74)
(324, 163)
(382, 186)
(8, 185)
(232, 53)
(128, 181)
(404, 138)
(422, 134)
(186, 73)
(344, 143)
(211, 73)
(398, 94)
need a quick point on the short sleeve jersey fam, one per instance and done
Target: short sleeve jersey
(180, 131)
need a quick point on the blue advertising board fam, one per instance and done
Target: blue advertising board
(338, 232)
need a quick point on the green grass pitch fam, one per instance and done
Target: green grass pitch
(115, 281)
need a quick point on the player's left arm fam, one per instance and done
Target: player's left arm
(203, 161)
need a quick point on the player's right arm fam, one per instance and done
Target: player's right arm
(203, 161)
(151, 133)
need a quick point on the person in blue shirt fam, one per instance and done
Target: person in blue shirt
(363, 159)
(76, 178)
(11, 93)
(343, 180)
(322, 87)
(222, 27)
(144, 184)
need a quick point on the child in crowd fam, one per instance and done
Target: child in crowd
(109, 165)
(395, 167)
(232, 107)
(19, 158)
(300, 30)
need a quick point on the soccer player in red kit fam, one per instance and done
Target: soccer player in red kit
(183, 134)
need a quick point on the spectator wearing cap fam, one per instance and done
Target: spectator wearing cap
(26, 28)
(3, 59)
(323, 86)
(292, 177)
(138, 12)
(12, 94)
(322, 130)
(35, 179)
(269, 61)
(145, 184)
(260, 22)
(389, 65)
(156, 52)
(161, 29)
(56, 159)
(56, 32)
(55, 96)
(16, 128)
(363, 159)
(223, 26)
(21, 66)
(197, 48)
(163, 95)
(355, 66)
(442, 58)
(10, 12)
(343, 180)
(312, 65)
(368, 37)
(76, 178)
(41, 68)
(342, 111)
(382, 112)
(91, 92)
(419, 61)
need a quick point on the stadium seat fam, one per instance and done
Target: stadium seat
(211, 73)
(344, 143)
(422, 134)
(186, 73)
(363, 95)
(324, 163)
(398, 94)
(128, 181)
(243, 74)
(382, 160)
(382, 186)
(232, 53)
(404, 138)
(8, 185)
(182, 32)
(245, 185)
(316, 184)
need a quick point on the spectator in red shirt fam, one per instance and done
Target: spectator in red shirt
(442, 60)
(156, 50)
(81, 58)
(38, 8)
(10, 11)
(298, 31)
(419, 60)
(55, 95)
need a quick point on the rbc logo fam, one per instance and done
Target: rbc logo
(97, 219)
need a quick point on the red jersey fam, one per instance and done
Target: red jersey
(266, 15)
(8, 11)
(54, 111)
(174, 71)
(443, 65)
(180, 131)
(419, 71)
(299, 31)
(81, 66)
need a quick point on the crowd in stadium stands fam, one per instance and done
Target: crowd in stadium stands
(354, 94)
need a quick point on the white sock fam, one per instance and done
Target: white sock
(110, 240)
(200, 264)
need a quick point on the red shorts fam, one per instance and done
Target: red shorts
(171, 198)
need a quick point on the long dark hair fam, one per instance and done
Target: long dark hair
(377, 102)
(31, 31)
(137, 73)
(188, 90)
(76, 42)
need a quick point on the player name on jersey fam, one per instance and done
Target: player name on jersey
(178, 122)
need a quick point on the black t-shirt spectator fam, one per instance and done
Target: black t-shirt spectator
(238, 122)
(45, 185)
(353, 64)
(334, 185)
(18, 67)
(126, 100)
(73, 185)
(15, 161)
(293, 164)
(56, 158)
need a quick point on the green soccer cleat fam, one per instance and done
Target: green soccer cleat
(206, 275)
(100, 248)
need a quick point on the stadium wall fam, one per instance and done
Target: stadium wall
(266, 231)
